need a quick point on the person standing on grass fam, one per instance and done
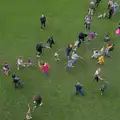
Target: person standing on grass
(111, 12)
(20, 62)
(97, 76)
(102, 88)
(28, 114)
(79, 87)
(45, 67)
(97, 3)
(92, 8)
(43, 21)
(68, 51)
(16, 81)
(39, 49)
(81, 37)
(88, 20)
(37, 100)
(6, 68)
(50, 42)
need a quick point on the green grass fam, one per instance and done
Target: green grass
(19, 33)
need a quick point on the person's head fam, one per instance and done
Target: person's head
(96, 51)
(13, 76)
(99, 69)
(42, 62)
(6, 62)
(70, 45)
(20, 57)
(42, 15)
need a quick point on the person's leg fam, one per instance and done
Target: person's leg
(46, 73)
(76, 92)
(73, 61)
(21, 86)
(51, 46)
(18, 66)
(82, 93)
(15, 85)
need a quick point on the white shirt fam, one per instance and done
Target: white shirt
(74, 56)
(20, 61)
(95, 54)
(97, 72)
(76, 43)
(102, 50)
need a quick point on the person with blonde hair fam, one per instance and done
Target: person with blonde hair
(28, 114)
(101, 60)
(97, 76)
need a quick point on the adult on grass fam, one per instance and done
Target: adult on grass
(97, 76)
(37, 100)
(43, 21)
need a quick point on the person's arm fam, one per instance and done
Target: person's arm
(39, 63)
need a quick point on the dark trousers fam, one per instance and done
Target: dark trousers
(81, 92)
(87, 26)
(110, 15)
(43, 24)
(18, 83)
(97, 4)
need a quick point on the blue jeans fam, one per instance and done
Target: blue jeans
(81, 92)
(46, 73)
(19, 83)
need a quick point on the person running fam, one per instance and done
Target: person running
(45, 67)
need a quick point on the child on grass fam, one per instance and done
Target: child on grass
(20, 62)
(6, 68)
(45, 67)
(101, 60)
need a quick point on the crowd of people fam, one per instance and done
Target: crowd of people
(71, 52)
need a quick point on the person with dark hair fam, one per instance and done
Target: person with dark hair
(79, 87)
(106, 37)
(81, 37)
(97, 3)
(68, 51)
(102, 88)
(43, 21)
(16, 81)
(111, 11)
(39, 48)
(37, 100)
(50, 42)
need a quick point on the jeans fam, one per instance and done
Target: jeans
(81, 92)
(73, 61)
(18, 83)
(46, 73)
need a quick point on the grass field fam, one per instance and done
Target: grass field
(20, 32)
